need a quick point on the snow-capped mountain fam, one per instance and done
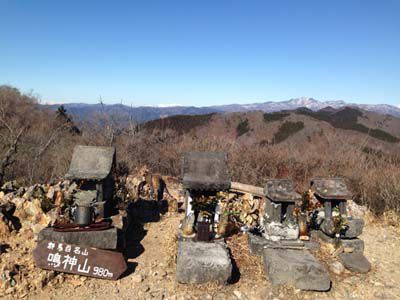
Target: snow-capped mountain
(309, 103)
(147, 113)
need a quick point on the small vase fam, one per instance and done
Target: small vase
(223, 225)
(303, 229)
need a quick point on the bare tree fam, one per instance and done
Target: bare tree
(14, 109)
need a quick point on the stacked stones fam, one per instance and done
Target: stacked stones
(281, 199)
(91, 168)
(286, 259)
(338, 228)
(201, 261)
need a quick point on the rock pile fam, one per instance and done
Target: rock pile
(34, 207)
(18, 274)
(349, 247)
(24, 212)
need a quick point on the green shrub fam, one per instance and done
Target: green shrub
(347, 119)
(383, 135)
(286, 130)
(181, 124)
(242, 127)
(275, 116)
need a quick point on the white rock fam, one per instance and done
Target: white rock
(237, 294)
(137, 278)
(336, 267)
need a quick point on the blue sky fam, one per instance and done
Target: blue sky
(202, 52)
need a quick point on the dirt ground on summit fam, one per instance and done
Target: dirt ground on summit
(152, 272)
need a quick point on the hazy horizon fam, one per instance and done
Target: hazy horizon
(166, 105)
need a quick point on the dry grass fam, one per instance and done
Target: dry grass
(248, 264)
(373, 176)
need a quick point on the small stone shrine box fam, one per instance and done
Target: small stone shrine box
(332, 192)
(92, 168)
(281, 198)
(204, 173)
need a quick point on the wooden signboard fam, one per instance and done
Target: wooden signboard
(79, 260)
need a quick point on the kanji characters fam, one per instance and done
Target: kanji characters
(84, 269)
(69, 260)
(54, 259)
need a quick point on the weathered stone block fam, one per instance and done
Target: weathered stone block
(328, 227)
(257, 244)
(102, 239)
(206, 171)
(355, 262)
(326, 238)
(356, 244)
(354, 228)
(295, 267)
(199, 262)
(273, 211)
(277, 231)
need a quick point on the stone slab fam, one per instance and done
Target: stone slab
(102, 239)
(257, 244)
(91, 162)
(356, 244)
(206, 171)
(330, 188)
(200, 262)
(355, 262)
(295, 267)
(281, 190)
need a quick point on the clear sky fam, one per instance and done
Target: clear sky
(202, 52)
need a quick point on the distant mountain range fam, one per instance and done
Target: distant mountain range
(147, 113)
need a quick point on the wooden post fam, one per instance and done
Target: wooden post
(246, 188)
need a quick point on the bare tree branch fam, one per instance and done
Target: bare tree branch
(8, 158)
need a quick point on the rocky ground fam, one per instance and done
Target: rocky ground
(151, 272)
(151, 268)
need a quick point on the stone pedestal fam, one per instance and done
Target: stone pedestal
(295, 267)
(200, 262)
(102, 239)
